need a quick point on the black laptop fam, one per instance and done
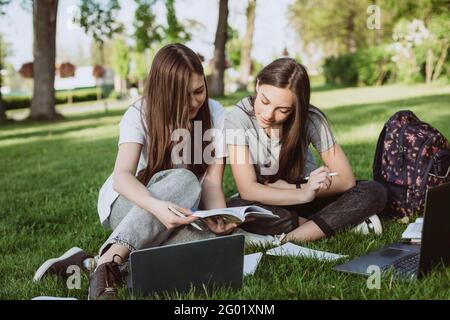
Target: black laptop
(200, 265)
(412, 260)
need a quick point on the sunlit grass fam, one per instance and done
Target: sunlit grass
(50, 175)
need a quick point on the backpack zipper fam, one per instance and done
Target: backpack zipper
(419, 154)
(401, 148)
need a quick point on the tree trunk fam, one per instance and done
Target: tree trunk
(141, 85)
(377, 38)
(440, 63)
(124, 86)
(246, 57)
(217, 86)
(44, 50)
(429, 65)
(3, 117)
(350, 28)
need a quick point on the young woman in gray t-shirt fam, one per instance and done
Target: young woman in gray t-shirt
(268, 138)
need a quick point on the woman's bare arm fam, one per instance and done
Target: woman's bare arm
(248, 187)
(212, 189)
(336, 161)
(126, 184)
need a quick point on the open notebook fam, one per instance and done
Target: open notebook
(414, 230)
(236, 214)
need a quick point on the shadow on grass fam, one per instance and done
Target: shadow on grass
(433, 109)
(27, 123)
(329, 87)
(51, 207)
(51, 132)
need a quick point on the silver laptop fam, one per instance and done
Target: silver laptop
(411, 260)
(200, 265)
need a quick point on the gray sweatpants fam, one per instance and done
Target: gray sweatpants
(135, 228)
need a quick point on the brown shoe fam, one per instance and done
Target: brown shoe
(58, 266)
(104, 281)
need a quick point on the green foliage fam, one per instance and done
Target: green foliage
(341, 70)
(174, 32)
(146, 31)
(99, 20)
(234, 47)
(329, 22)
(416, 9)
(79, 95)
(3, 4)
(5, 49)
(374, 66)
(121, 57)
(140, 64)
(371, 66)
(421, 47)
(115, 95)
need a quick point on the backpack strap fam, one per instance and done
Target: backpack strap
(378, 154)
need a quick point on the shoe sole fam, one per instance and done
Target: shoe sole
(47, 264)
(377, 227)
(376, 224)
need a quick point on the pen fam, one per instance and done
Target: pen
(178, 213)
(331, 174)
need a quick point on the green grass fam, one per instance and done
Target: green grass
(50, 175)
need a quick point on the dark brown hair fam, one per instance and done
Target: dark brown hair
(288, 73)
(166, 109)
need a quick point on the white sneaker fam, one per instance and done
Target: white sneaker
(257, 239)
(370, 225)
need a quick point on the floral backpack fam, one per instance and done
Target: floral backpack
(411, 156)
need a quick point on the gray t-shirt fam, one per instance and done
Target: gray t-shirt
(242, 128)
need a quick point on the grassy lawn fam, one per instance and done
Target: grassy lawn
(50, 175)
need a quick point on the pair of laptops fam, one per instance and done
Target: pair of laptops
(203, 265)
(218, 262)
(411, 260)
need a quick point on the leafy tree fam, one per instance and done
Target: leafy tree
(140, 66)
(146, 31)
(340, 25)
(234, 48)
(99, 20)
(174, 32)
(121, 61)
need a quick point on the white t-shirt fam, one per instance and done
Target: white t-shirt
(132, 130)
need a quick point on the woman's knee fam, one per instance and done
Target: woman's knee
(374, 193)
(175, 184)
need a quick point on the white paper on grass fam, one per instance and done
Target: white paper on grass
(413, 231)
(52, 298)
(251, 262)
(290, 249)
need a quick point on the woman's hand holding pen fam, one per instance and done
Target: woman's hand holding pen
(318, 179)
(168, 218)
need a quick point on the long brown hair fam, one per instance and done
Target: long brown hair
(288, 73)
(166, 109)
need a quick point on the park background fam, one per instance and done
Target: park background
(69, 69)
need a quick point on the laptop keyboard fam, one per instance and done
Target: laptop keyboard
(408, 265)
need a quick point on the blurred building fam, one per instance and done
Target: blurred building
(84, 79)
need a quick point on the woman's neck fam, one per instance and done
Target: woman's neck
(274, 132)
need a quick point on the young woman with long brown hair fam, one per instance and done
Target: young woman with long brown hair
(134, 201)
(268, 138)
